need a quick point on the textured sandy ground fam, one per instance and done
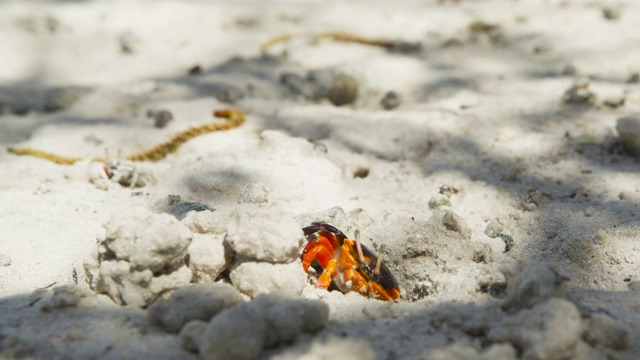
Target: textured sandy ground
(481, 126)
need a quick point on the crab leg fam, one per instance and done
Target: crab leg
(357, 283)
(379, 262)
(325, 279)
(358, 246)
(319, 249)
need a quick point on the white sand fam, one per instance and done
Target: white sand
(479, 112)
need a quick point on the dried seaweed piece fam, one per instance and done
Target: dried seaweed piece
(235, 118)
(351, 38)
(390, 45)
(61, 160)
(276, 40)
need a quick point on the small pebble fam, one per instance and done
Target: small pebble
(344, 90)
(162, 118)
(437, 201)
(634, 78)
(629, 129)
(173, 199)
(579, 94)
(453, 222)
(195, 70)
(600, 238)
(5, 260)
(129, 43)
(610, 13)
(230, 95)
(61, 98)
(390, 101)
(615, 103)
(361, 173)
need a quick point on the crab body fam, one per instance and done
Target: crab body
(127, 174)
(342, 265)
(124, 173)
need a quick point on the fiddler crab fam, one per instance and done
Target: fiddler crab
(122, 172)
(347, 263)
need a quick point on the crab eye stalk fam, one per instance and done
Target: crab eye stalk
(358, 246)
(379, 262)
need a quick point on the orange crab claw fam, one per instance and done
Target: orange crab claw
(320, 250)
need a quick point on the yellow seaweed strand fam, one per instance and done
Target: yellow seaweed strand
(335, 36)
(235, 118)
(61, 160)
(276, 40)
(350, 38)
